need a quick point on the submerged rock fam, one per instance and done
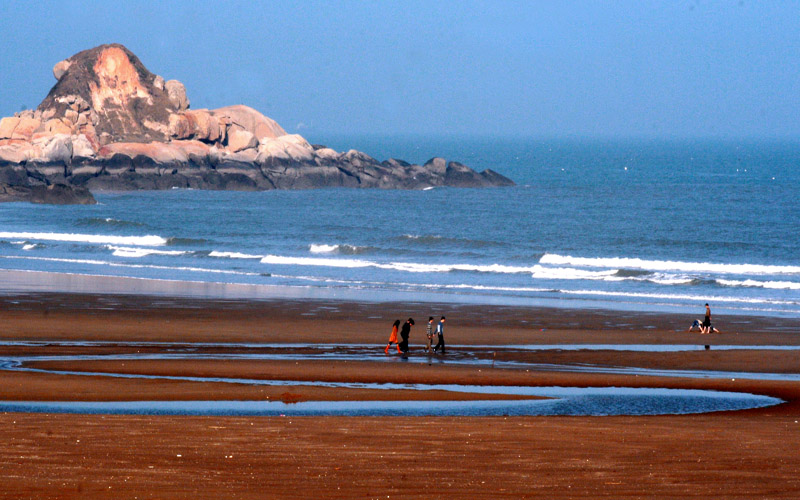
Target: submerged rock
(109, 123)
(54, 194)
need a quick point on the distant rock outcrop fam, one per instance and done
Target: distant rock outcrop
(110, 124)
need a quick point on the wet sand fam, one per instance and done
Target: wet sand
(745, 454)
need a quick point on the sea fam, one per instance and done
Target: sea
(637, 225)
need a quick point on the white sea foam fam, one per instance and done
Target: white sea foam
(664, 265)
(569, 273)
(668, 279)
(149, 240)
(412, 267)
(775, 285)
(133, 252)
(337, 249)
(234, 255)
(537, 271)
(323, 248)
(686, 297)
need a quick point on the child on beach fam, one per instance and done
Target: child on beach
(393, 337)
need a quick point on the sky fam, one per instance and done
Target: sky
(589, 69)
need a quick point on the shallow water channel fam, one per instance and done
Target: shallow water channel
(560, 400)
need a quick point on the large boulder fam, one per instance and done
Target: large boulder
(177, 94)
(436, 165)
(60, 68)
(57, 149)
(57, 126)
(25, 128)
(251, 120)
(197, 124)
(15, 152)
(240, 139)
(291, 147)
(7, 126)
(81, 147)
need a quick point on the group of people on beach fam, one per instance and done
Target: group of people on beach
(705, 326)
(405, 332)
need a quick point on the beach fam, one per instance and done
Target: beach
(217, 224)
(730, 454)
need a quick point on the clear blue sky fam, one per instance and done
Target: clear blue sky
(680, 68)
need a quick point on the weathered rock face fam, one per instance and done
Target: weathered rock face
(110, 124)
(115, 93)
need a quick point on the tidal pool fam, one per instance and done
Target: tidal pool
(561, 400)
(564, 401)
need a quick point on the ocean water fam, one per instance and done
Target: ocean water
(635, 225)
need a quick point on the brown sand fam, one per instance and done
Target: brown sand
(747, 454)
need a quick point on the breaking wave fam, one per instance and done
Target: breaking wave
(338, 249)
(665, 265)
(233, 255)
(412, 267)
(536, 272)
(774, 285)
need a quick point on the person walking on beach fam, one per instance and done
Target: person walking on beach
(404, 333)
(440, 334)
(393, 337)
(706, 327)
(429, 334)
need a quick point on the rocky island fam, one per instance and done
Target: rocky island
(109, 124)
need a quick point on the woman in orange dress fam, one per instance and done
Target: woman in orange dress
(393, 338)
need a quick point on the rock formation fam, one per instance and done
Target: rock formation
(110, 124)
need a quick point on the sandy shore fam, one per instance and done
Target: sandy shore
(746, 454)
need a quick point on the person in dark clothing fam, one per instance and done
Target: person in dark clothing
(404, 333)
(440, 333)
